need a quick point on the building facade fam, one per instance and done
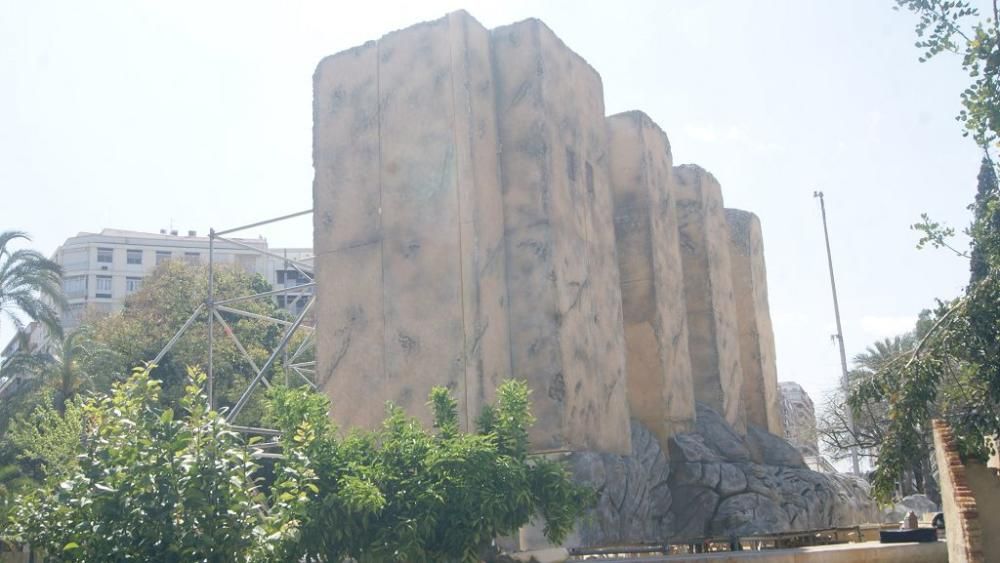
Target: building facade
(101, 269)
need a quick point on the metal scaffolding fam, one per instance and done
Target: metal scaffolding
(289, 358)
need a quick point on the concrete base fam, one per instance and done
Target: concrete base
(936, 552)
(551, 555)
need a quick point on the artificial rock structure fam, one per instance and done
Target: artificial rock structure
(478, 217)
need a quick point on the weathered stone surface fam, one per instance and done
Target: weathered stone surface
(713, 333)
(719, 492)
(693, 510)
(798, 418)
(408, 236)
(748, 513)
(633, 496)
(660, 388)
(347, 231)
(565, 301)
(760, 398)
(690, 447)
(768, 449)
(719, 435)
(477, 216)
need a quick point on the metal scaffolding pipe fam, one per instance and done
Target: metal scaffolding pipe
(265, 294)
(270, 360)
(177, 335)
(264, 252)
(264, 222)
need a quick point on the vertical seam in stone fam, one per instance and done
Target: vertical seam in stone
(550, 234)
(717, 390)
(458, 199)
(500, 184)
(381, 230)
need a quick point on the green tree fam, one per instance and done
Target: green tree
(150, 485)
(953, 371)
(985, 223)
(30, 284)
(867, 428)
(402, 493)
(46, 441)
(168, 297)
(71, 365)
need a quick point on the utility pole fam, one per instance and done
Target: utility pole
(844, 381)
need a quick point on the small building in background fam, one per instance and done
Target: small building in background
(101, 269)
(799, 416)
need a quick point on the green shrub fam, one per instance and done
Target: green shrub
(127, 480)
(150, 486)
(407, 494)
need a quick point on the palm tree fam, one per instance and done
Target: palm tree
(879, 354)
(70, 364)
(30, 285)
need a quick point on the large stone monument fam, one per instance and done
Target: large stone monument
(660, 387)
(478, 217)
(760, 397)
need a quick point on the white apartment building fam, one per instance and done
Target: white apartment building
(101, 269)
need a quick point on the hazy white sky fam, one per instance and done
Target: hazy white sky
(142, 115)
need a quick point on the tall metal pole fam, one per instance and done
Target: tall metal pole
(844, 382)
(211, 317)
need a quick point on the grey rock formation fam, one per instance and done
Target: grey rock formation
(634, 498)
(715, 484)
(768, 449)
(719, 435)
(724, 485)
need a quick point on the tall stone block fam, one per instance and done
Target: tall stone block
(660, 390)
(713, 332)
(565, 303)
(408, 229)
(761, 399)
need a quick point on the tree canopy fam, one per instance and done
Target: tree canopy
(953, 370)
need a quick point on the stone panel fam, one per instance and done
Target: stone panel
(565, 303)
(440, 287)
(761, 400)
(713, 333)
(347, 234)
(658, 364)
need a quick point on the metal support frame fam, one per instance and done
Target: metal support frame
(216, 308)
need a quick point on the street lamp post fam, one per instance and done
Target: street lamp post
(844, 382)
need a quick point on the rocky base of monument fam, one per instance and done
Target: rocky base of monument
(715, 484)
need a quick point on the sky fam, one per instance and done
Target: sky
(190, 115)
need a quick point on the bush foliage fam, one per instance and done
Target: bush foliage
(405, 493)
(128, 479)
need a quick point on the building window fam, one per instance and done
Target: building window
(132, 285)
(75, 286)
(105, 255)
(291, 278)
(162, 256)
(133, 256)
(192, 257)
(104, 287)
